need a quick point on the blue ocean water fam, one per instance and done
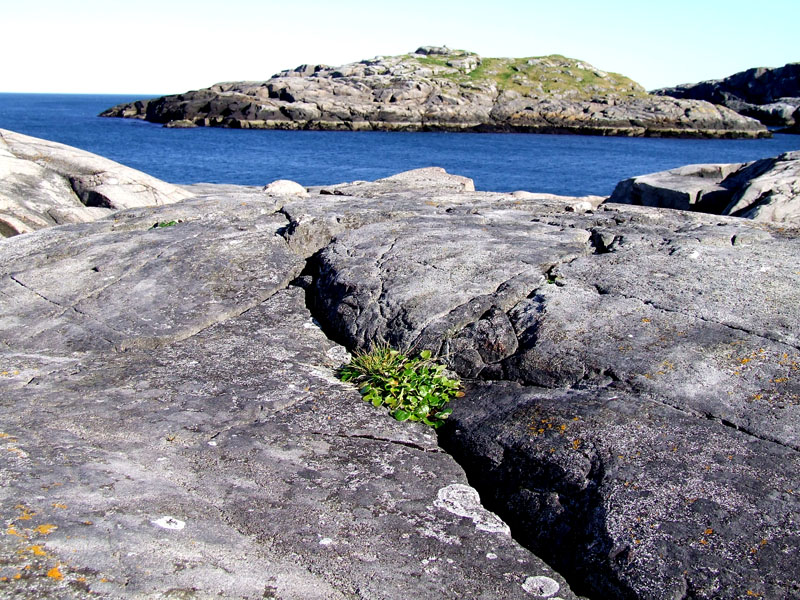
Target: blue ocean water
(559, 164)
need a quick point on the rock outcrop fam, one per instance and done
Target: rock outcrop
(172, 426)
(766, 190)
(44, 183)
(437, 89)
(770, 95)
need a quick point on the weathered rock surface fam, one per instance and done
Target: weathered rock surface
(766, 190)
(439, 89)
(171, 427)
(44, 183)
(631, 413)
(770, 95)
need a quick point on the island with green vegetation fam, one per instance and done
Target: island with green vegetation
(439, 89)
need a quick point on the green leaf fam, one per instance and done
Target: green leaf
(401, 415)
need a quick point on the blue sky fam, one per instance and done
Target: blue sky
(157, 47)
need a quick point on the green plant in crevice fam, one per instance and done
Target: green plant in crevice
(162, 224)
(413, 389)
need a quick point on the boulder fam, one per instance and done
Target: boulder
(44, 183)
(285, 187)
(766, 190)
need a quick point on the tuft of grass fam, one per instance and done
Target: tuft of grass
(413, 389)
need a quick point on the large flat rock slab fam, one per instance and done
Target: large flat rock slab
(688, 316)
(172, 427)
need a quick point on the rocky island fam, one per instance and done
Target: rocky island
(171, 425)
(439, 89)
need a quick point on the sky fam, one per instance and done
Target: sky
(156, 47)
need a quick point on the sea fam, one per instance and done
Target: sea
(572, 165)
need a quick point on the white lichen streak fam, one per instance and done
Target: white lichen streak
(464, 501)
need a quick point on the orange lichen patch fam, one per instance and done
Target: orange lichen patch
(6, 436)
(780, 380)
(37, 550)
(703, 541)
(59, 505)
(12, 531)
(27, 513)
(45, 529)
(576, 444)
(708, 531)
(55, 573)
(18, 576)
(645, 320)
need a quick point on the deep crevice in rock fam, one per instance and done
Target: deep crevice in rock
(562, 523)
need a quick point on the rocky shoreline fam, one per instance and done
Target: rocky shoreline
(438, 89)
(770, 95)
(172, 425)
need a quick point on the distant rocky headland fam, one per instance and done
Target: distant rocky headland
(439, 89)
(770, 95)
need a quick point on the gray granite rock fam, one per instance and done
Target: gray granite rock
(687, 322)
(44, 183)
(439, 89)
(771, 95)
(172, 426)
(766, 190)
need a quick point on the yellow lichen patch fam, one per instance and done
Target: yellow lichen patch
(55, 573)
(576, 444)
(59, 505)
(6, 436)
(37, 551)
(12, 531)
(45, 529)
(645, 320)
(27, 513)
